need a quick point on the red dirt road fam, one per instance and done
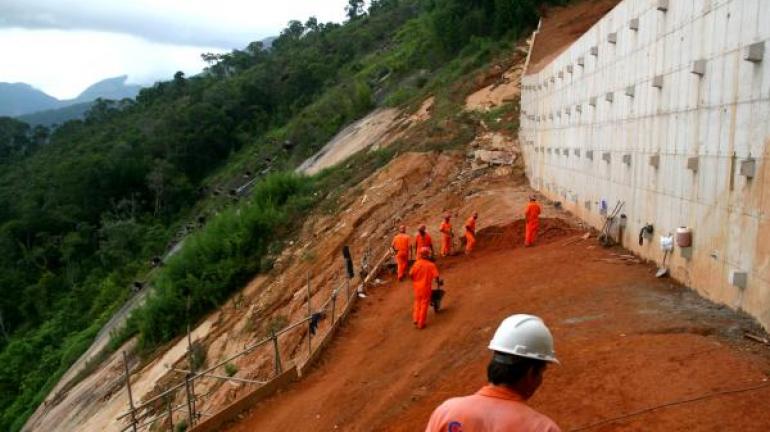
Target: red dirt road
(628, 343)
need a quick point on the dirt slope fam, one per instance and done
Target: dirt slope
(563, 25)
(627, 342)
(362, 134)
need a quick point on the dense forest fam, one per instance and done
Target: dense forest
(87, 205)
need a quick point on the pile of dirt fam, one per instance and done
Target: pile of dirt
(512, 235)
(504, 90)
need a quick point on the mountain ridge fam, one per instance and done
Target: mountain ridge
(22, 99)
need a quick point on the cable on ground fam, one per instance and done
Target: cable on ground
(669, 404)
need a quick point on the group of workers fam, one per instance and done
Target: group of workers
(424, 270)
(522, 346)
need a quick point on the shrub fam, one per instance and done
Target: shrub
(220, 258)
(230, 369)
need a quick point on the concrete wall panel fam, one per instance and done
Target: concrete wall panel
(720, 118)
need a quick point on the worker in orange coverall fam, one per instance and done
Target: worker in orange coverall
(446, 236)
(422, 239)
(522, 348)
(400, 249)
(470, 233)
(423, 273)
(532, 217)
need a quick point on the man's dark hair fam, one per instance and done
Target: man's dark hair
(506, 369)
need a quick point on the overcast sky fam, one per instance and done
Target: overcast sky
(63, 46)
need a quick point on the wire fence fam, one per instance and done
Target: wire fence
(161, 407)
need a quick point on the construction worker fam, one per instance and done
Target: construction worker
(470, 233)
(522, 348)
(422, 239)
(532, 217)
(400, 249)
(423, 273)
(446, 236)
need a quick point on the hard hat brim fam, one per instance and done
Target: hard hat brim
(520, 352)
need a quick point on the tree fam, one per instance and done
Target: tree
(354, 9)
(312, 24)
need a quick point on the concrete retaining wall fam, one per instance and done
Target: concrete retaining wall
(666, 105)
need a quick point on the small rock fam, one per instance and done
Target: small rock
(494, 157)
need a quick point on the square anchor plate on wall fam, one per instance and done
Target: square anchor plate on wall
(655, 161)
(754, 52)
(692, 164)
(748, 168)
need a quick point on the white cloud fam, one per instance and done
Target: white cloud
(63, 46)
(221, 23)
(63, 63)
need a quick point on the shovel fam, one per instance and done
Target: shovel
(663, 270)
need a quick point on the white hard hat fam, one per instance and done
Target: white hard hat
(524, 336)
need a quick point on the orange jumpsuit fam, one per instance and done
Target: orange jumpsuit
(401, 245)
(470, 235)
(446, 238)
(491, 409)
(423, 241)
(423, 273)
(532, 216)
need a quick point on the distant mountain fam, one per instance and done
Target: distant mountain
(267, 42)
(19, 98)
(110, 88)
(35, 107)
(56, 116)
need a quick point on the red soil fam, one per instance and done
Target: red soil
(628, 342)
(512, 235)
(562, 26)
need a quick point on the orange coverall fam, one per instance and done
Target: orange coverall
(401, 245)
(532, 216)
(446, 238)
(423, 273)
(470, 235)
(422, 241)
(491, 409)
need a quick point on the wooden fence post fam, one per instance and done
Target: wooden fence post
(190, 413)
(310, 317)
(130, 396)
(278, 365)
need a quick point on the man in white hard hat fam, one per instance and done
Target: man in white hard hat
(522, 348)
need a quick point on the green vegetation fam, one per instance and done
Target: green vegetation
(220, 258)
(230, 369)
(87, 205)
(18, 140)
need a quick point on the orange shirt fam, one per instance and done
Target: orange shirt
(470, 225)
(423, 272)
(446, 228)
(532, 213)
(401, 243)
(420, 241)
(491, 409)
